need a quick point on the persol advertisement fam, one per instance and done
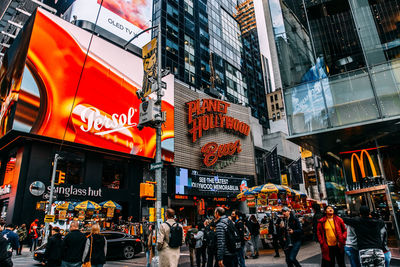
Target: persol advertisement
(191, 182)
(59, 81)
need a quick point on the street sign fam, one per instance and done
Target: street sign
(49, 218)
(154, 166)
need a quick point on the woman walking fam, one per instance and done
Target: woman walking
(96, 248)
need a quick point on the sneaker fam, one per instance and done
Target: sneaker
(276, 256)
(246, 257)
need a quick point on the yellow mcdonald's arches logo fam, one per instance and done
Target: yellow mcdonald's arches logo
(360, 161)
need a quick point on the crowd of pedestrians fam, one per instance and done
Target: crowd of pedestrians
(363, 239)
(220, 240)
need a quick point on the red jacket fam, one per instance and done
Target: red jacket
(33, 231)
(341, 235)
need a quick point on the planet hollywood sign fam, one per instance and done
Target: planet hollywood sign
(207, 114)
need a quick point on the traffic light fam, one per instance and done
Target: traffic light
(146, 190)
(60, 177)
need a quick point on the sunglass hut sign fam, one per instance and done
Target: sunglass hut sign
(208, 114)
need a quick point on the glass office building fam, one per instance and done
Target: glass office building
(203, 45)
(340, 67)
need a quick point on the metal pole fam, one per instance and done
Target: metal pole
(158, 136)
(53, 177)
(387, 189)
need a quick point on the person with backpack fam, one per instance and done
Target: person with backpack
(228, 241)
(201, 256)
(95, 248)
(169, 240)
(52, 254)
(254, 227)
(191, 243)
(238, 221)
(211, 244)
(9, 234)
(5, 250)
(293, 234)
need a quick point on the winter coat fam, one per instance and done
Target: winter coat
(73, 246)
(99, 249)
(53, 250)
(12, 238)
(271, 226)
(5, 254)
(33, 231)
(254, 228)
(368, 232)
(294, 224)
(340, 233)
(22, 234)
(168, 257)
(221, 229)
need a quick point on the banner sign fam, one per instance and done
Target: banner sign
(190, 182)
(272, 167)
(99, 108)
(297, 172)
(149, 55)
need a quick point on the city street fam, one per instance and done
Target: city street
(309, 256)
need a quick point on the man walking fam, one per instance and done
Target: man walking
(225, 258)
(52, 254)
(368, 232)
(293, 234)
(169, 240)
(201, 256)
(276, 232)
(5, 251)
(13, 239)
(331, 233)
(73, 247)
(237, 218)
(254, 227)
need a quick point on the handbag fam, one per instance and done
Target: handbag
(89, 264)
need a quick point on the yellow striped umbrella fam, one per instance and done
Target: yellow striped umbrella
(87, 205)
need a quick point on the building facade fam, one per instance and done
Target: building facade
(339, 62)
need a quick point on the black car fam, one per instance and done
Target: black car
(119, 245)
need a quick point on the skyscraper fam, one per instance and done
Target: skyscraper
(206, 46)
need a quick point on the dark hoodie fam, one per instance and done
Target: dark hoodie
(368, 232)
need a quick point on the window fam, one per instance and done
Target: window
(172, 47)
(272, 107)
(271, 98)
(276, 97)
(172, 11)
(189, 6)
(114, 173)
(277, 106)
(71, 165)
(278, 115)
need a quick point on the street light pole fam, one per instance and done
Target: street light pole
(53, 177)
(158, 135)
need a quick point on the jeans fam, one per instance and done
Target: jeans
(335, 255)
(249, 245)
(291, 254)
(372, 257)
(201, 257)
(255, 240)
(352, 254)
(71, 264)
(240, 256)
(192, 256)
(388, 257)
(276, 243)
(34, 243)
(148, 261)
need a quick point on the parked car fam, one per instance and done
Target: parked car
(119, 245)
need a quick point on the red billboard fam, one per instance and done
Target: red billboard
(59, 81)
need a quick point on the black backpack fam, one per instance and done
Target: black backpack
(175, 235)
(232, 238)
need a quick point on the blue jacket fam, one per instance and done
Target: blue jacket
(12, 238)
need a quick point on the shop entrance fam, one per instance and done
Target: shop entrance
(379, 204)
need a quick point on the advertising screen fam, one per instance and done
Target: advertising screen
(191, 182)
(122, 18)
(59, 81)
